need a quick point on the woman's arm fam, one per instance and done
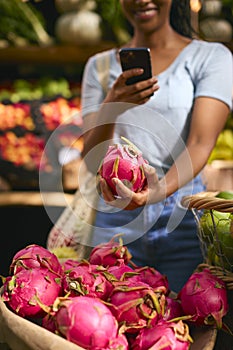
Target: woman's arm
(208, 119)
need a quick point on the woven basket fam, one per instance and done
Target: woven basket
(206, 201)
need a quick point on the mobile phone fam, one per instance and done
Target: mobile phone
(138, 57)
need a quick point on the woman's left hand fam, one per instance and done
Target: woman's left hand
(129, 200)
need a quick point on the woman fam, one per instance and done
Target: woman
(176, 129)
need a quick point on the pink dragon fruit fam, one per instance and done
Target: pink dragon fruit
(110, 253)
(204, 297)
(123, 272)
(86, 321)
(69, 264)
(35, 256)
(173, 309)
(87, 279)
(124, 162)
(154, 278)
(118, 343)
(135, 305)
(165, 335)
(49, 322)
(29, 292)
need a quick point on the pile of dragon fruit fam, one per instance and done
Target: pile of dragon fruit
(107, 302)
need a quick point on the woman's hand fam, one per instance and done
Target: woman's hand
(128, 200)
(138, 93)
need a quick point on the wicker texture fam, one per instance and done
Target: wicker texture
(225, 275)
(207, 200)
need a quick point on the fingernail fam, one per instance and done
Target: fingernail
(147, 167)
(115, 180)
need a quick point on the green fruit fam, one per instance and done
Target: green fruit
(219, 223)
(225, 195)
(65, 253)
(215, 259)
(217, 234)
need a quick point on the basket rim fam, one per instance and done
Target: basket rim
(207, 200)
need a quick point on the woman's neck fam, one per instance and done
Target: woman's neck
(159, 40)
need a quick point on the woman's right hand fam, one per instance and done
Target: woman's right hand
(153, 192)
(138, 93)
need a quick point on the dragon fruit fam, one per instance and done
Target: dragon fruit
(86, 321)
(29, 292)
(123, 272)
(204, 297)
(124, 162)
(87, 279)
(165, 335)
(69, 264)
(118, 343)
(110, 253)
(49, 322)
(35, 256)
(154, 278)
(135, 305)
(173, 309)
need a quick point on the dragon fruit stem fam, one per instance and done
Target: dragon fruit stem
(130, 143)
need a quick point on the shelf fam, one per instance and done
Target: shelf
(57, 55)
(21, 198)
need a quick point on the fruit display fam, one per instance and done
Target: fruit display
(29, 90)
(108, 302)
(28, 122)
(24, 151)
(16, 115)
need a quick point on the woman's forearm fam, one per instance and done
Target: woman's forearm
(190, 162)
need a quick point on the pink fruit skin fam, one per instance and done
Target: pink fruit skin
(133, 305)
(123, 272)
(204, 297)
(87, 322)
(124, 163)
(118, 343)
(173, 309)
(162, 336)
(109, 254)
(69, 264)
(21, 291)
(154, 278)
(35, 256)
(48, 322)
(86, 279)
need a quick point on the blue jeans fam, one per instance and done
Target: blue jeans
(162, 235)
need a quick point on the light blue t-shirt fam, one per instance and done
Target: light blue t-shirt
(160, 127)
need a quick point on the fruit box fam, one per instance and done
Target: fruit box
(17, 333)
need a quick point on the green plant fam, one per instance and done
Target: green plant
(21, 23)
(113, 19)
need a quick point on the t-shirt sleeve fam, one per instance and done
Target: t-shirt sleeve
(215, 76)
(92, 93)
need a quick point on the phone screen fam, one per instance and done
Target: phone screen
(136, 58)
